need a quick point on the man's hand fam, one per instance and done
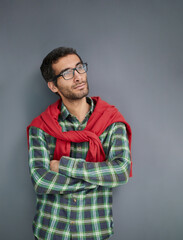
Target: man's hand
(54, 165)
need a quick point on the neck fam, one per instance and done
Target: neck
(79, 108)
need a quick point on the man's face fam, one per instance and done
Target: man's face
(72, 89)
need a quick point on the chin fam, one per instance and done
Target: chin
(80, 95)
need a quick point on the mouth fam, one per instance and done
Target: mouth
(80, 86)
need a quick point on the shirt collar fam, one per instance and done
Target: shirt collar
(65, 113)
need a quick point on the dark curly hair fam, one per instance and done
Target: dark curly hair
(52, 57)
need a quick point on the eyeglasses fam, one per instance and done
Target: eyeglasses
(69, 73)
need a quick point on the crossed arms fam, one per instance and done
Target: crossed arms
(74, 174)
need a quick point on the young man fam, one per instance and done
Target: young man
(79, 149)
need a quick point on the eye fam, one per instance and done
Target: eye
(80, 66)
(67, 72)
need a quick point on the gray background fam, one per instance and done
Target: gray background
(135, 57)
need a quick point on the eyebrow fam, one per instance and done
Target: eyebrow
(69, 68)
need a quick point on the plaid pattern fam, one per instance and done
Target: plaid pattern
(76, 203)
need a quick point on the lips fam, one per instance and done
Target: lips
(80, 86)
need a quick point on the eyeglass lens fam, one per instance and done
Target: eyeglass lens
(80, 68)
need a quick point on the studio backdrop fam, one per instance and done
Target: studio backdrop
(134, 55)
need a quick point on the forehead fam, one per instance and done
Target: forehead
(68, 61)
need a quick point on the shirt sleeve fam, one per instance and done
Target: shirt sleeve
(110, 173)
(44, 180)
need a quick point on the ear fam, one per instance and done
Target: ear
(52, 87)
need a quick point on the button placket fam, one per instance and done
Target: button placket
(73, 221)
(79, 148)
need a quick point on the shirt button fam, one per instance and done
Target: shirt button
(72, 222)
(75, 200)
(79, 128)
(79, 148)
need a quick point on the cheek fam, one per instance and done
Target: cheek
(64, 87)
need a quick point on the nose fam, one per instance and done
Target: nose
(77, 77)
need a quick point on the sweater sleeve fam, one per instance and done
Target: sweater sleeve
(110, 173)
(44, 180)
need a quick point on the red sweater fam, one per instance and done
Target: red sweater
(102, 116)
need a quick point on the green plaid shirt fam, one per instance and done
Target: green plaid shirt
(76, 203)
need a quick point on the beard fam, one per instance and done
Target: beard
(70, 93)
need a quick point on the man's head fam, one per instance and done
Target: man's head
(55, 68)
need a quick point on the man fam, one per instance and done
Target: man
(78, 151)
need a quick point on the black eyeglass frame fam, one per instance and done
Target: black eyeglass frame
(73, 69)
